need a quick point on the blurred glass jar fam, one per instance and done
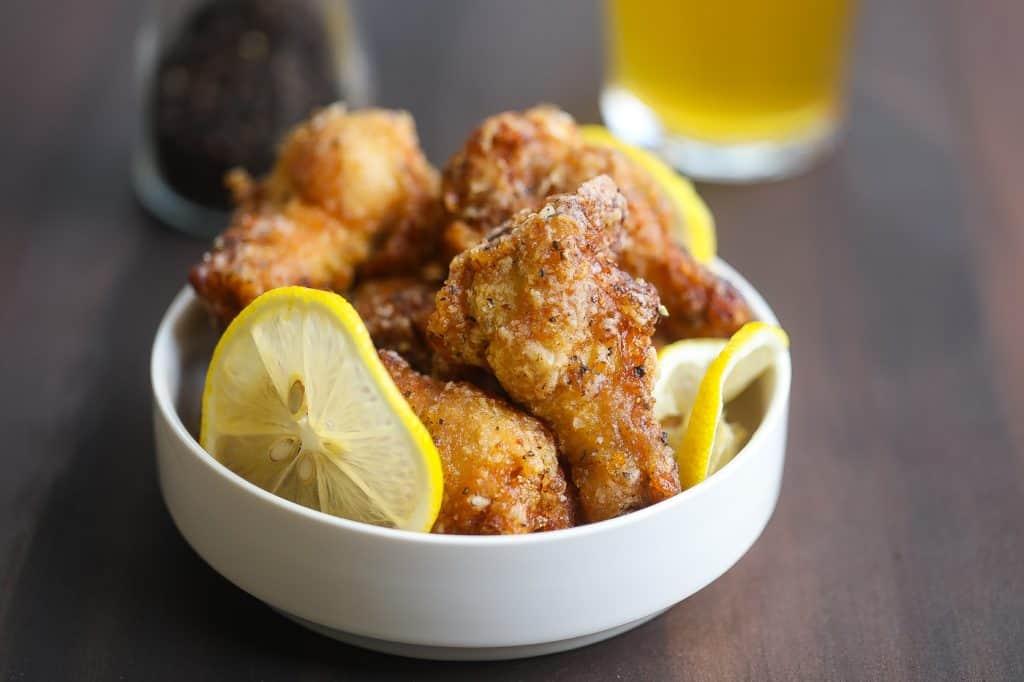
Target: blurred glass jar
(219, 83)
(729, 91)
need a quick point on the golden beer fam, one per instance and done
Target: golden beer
(728, 72)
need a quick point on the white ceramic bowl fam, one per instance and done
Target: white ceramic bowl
(446, 596)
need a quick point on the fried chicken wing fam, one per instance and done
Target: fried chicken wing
(349, 189)
(543, 305)
(501, 471)
(515, 160)
(395, 311)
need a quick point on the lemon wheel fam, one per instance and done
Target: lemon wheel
(298, 403)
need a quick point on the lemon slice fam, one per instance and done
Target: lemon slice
(696, 227)
(681, 367)
(298, 403)
(696, 378)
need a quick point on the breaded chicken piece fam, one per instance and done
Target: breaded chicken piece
(512, 161)
(365, 168)
(543, 305)
(501, 472)
(269, 246)
(515, 160)
(395, 311)
(346, 185)
(700, 304)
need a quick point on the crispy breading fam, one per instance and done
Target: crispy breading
(346, 185)
(365, 167)
(273, 246)
(543, 305)
(700, 303)
(395, 311)
(515, 160)
(501, 471)
(510, 162)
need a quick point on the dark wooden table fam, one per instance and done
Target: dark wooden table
(897, 265)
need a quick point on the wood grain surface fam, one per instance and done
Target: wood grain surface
(897, 549)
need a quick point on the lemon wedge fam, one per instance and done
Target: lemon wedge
(696, 227)
(696, 378)
(298, 403)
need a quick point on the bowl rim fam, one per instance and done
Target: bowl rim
(775, 412)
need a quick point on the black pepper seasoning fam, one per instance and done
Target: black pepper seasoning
(232, 81)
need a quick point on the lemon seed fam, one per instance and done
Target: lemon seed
(306, 469)
(296, 397)
(285, 448)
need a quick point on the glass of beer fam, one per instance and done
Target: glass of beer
(741, 90)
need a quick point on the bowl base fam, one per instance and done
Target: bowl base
(455, 653)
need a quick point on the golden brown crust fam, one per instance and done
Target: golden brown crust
(515, 160)
(395, 311)
(268, 246)
(542, 304)
(501, 471)
(365, 168)
(700, 304)
(345, 184)
(509, 163)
